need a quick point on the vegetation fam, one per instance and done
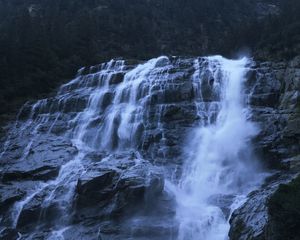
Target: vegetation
(284, 211)
(43, 42)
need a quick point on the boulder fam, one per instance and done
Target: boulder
(118, 183)
(95, 186)
(251, 219)
(117, 78)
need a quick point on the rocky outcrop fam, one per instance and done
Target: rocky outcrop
(119, 181)
(275, 100)
(70, 167)
(53, 174)
(251, 220)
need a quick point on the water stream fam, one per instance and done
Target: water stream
(220, 168)
(147, 109)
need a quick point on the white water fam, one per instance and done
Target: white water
(219, 163)
(117, 130)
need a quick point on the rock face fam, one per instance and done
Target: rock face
(91, 161)
(275, 102)
(88, 161)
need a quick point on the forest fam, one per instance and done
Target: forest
(44, 42)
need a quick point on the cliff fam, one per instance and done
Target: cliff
(76, 154)
(275, 102)
(45, 42)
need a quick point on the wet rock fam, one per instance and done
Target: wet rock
(108, 228)
(96, 186)
(95, 156)
(119, 183)
(117, 78)
(178, 112)
(209, 86)
(73, 104)
(86, 230)
(177, 92)
(9, 234)
(291, 95)
(30, 213)
(156, 228)
(38, 209)
(268, 99)
(25, 111)
(292, 164)
(275, 91)
(114, 192)
(59, 127)
(107, 98)
(293, 127)
(251, 219)
(38, 161)
(140, 179)
(44, 173)
(9, 194)
(266, 89)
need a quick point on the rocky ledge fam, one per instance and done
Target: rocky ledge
(115, 191)
(276, 108)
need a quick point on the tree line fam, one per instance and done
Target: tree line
(44, 42)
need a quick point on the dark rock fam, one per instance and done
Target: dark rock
(31, 211)
(95, 156)
(25, 111)
(9, 234)
(115, 187)
(266, 89)
(120, 184)
(95, 186)
(109, 228)
(87, 230)
(117, 78)
(266, 100)
(107, 98)
(283, 212)
(36, 209)
(251, 219)
(292, 164)
(178, 112)
(207, 91)
(275, 100)
(9, 195)
(41, 162)
(293, 127)
(44, 173)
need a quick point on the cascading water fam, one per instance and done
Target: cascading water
(103, 111)
(94, 146)
(220, 169)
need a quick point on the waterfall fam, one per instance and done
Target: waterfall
(120, 128)
(220, 168)
(102, 111)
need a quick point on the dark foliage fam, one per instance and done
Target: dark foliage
(284, 210)
(43, 42)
